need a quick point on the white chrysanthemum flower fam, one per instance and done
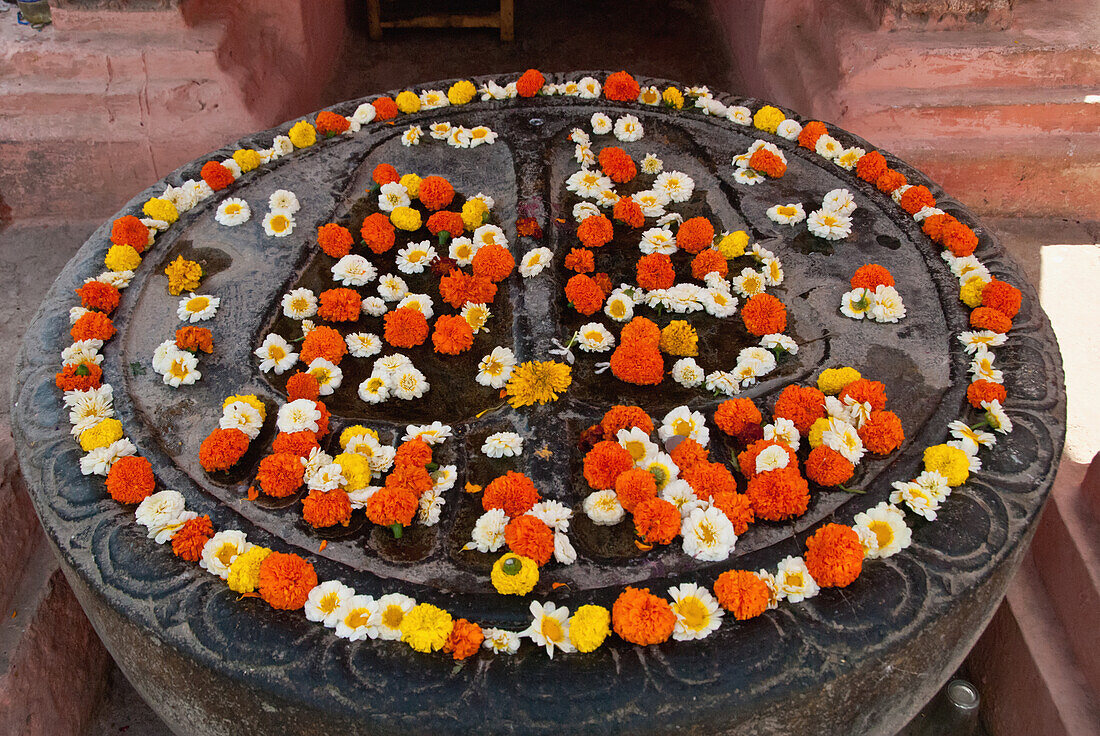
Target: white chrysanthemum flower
(587, 183)
(789, 129)
(462, 250)
(489, 235)
(761, 357)
(981, 368)
(502, 444)
(440, 130)
(886, 304)
(534, 261)
(593, 337)
(353, 270)
(297, 416)
(652, 202)
(829, 225)
(687, 372)
(76, 313)
(392, 609)
(476, 316)
(326, 478)
(329, 375)
(392, 288)
(549, 628)
(926, 212)
(364, 113)
(739, 114)
(181, 369)
(658, 240)
(430, 99)
(434, 434)
(357, 617)
(430, 507)
(281, 145)
(970, 439)
(220, 550)
(996, 417)
(856, 303)
(676, 184)
(711, 106)
(388, 366)
(794, 581)
(194, 308)
(718, 302)
(968, 267)
(564, 552)
(198, 190)
(603, 508)
(828, 146)
(619, 306)
(783, 430)
(582, 154)
(300, 303)
(708, 535)
(917, 497)
(89, 408)
(651, 164)
(636, 441)
(415, 257)
(772, 269)
(849, 157)
(845, 440)
(459, 137)
(283, 200)
(499, 641)
(488, 532)
(495, 369)
(275, 354)
(698, 614)
(787, 214)
(420, 302)
(118, 279)
(243, 416)
(779, 343)
(629, 129)
(393, 195)
(444, 477)
(233, 211)
(588, 88)
(82, 351)
(363, 344)
(601, 124)
(729, 382)
(882, 531)
(583, 210)
(683, 422)
(411, 136)
(160, 510)
(772, 457)
(748, 283)
(554, 514)
(375, 306)
(579, 137)
(100, 460)
(839, 201)
(680, 494)
(607, 197)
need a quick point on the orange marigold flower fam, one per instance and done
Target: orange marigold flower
(339, 305)
(188, 542)
(595, 231)
(415, 452)
(464, 640)
(580, 260)
(405, 327)
(493, 262)
(528, 227)
(324, 342)
(641, 330)
(959, 239)
(982, 390)
(385, 174)
(435, 192)
(811, 131)
(656, 521)
(392, 505)
(446, 221)
(79, 377)
(763, 314)
(195, 339)
(737, 507)
(987, 318)
(638, 363)
(882, 432)
(378, 233)
(625, 417)
(634, 486)
(326, 508)
(413, 478)
(870, 276)
(129, 230)
(621, 87)
(529, 83)
(640, 617)
(742, 593)
(285, 581)
(688, 453)
(617, 164)
(452, 335)
(803, 405)
(93, 326)
(303, 385)
(655, 271)
(98, 295)
(827, 467)
(834, 556)
(695, 234)
(914, 199)
(709, 261)
(871, 166)
(707, 479)
(216, 175)
(746, 459)
(385, 109)
(863, 390)
(1002, 296)
(459, 288)
(933, 226)
(605, 462)
(735, 416)
(779, 494)
(529, 537)
(222, 449)
(322, 423)
(331, 123)
(584, 294)
(281, 474)
(514, 493)
(890, 180)
(335, 240)
(628, 212)
(603, 281)
(299, 444)
(767, 163)
(130, 479)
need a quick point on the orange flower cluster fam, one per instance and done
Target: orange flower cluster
(330, 123)
(635, 486)
(415, 452)
(834, 556)
(405, 327)
(628, 212)
(604, 463)
(79, 377)
(130, 479)
(222, 449)
(746, 459)
(637, 358)
(339, 305)
(640, 617)
(655, 271)
(914, 199)
(92, 326)
(584, 294)
(322, 423)
(323, 342)
(739, 418)
(890, 180)
(987, 318)
(763, 314)
(882, 433)
(811, 131)
(708, 479)
(625, 417)
(595, 231)
(530, 83)
(129, 230)
(98, 295)
(392, 504)
(452, 335)
(656, 521)
(709, 261)
(871, 276)
(285, 581)
(621, 87)
(459, 288)
(326, 508)
(742, 593)
(947, 231)
(779, 494)
(866, 391)
(513, 493)
(580, 260)
(378, 233)
(871, 166)
(435, 192)
(299, 444)
(767, 163)
(188, 542)
(195, 339)
(695, 234)
(617, 164)
(1002, 296)
(216, 175)
(689, 453)
(302, 385)
(282, 473)
(384, 109)
(738, 509)
(529, 537)
(464, 640)
(803, 405)
(335, 240)
(528, 227)
(827, 467)
(982, 390)
(385, 174)
(493, 262)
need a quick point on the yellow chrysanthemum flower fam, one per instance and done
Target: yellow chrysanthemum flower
(461, 92)
(161, 209)
(122, 258)
(589, 627)
(101, 435)
(355, 469)
(514, 574)
(679, 338)
(244, 573)
(183, 276)
(538, 381)
(473, 213)
(426, 627)
(354, 431)
(834, 380)
(971, 292)
(950, 462)
(250, 399)
(768, 118)
(411, 182)
(405, 218)
(407, 102)
(302, 134)
(733, 245)
(246, 158)
(817, 430)
(673, 97)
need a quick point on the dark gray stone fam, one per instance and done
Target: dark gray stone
(859, 660)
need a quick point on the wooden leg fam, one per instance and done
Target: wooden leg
(374, 19)
(507, 21)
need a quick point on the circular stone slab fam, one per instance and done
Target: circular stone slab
(863, 659)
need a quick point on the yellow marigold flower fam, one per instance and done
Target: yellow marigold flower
(246, 158)
(405, 218)
(244, 573)
(733, 245)
(679, 338)
(817, 429)
(355, 469)
(426, 627)
(834, 380)
(950, 462)
(407, 102)
(161, 209)
(354, 431)
(461, 92)
(250, 399)
(101, 435)
(514, 574)
(971, 292)
(473, 213)
(411, 182)
(122, 258)
(768, 118)
(302, 134)
(673, 97)
(537, 381)
(183, 276)
(589, 627)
